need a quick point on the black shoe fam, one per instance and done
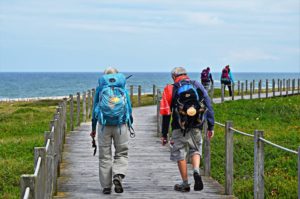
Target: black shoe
(182, 187)
(118, 183)
(106, 191)
(198, 182)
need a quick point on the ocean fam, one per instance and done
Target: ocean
(37, 84)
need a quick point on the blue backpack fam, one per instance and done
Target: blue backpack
(114, 106)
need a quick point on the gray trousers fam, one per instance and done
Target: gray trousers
(108, 166)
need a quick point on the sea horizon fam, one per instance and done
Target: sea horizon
(18, 85)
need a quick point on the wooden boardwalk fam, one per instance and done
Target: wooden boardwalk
(151, 174)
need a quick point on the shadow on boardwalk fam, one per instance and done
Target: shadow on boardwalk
(151, 174)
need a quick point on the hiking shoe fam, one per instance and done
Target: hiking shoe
(198, 182)
(182, 187)
(118, 184)
(106, 191)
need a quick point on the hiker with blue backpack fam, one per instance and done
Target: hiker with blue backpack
(113, 113)
(206, 78)
(188, 103)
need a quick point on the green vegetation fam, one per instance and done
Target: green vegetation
(279, 118)
(22, 126)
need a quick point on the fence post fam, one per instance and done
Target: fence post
(278, 82)
(232, 88)
(280, 88)
(158, 113)
(131, 94)
(207, 162)
(71, 113)
(89, 104)
(267, 88)
(293, 86)
(259, 89)
(242, 90)
(239, 87)
(229, 158)
(251, 86)
(93, 97)
(28, 181)
(258, 165)
(283, 85)
(246, 85)
(212, 89)
(273, 87)
(84, 106)
(41, 177)
(298, 171)
(298, 86)
(78, 109)
(154, 91)
(222, 92)
(139, 95)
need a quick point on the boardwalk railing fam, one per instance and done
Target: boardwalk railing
(43, 183)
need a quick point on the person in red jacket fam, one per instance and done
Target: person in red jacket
(189, 105)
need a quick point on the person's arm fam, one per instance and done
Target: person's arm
(207, 101)
(231, 77)
(211, 79)
(165, 111)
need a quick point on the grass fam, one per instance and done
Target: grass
(279, 118)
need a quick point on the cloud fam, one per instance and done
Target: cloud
(198, 18)
(250, 55)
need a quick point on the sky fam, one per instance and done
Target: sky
(149, 35)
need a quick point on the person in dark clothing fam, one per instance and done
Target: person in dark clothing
(206, 78)
(227, 79)
(186, 129)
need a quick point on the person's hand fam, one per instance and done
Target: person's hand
(210, 134)
(164, 140)
(93, 134)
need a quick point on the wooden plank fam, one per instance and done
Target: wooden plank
(151, 173)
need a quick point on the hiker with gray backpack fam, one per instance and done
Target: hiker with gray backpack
(113, 113)
(188, 103)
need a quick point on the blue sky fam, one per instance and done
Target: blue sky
(149, 35)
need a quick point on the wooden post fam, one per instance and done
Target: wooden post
(267, 88)
(242, 90)
(158, 113)
(139, 95)
(232, 89)
(78, 109)
(299, 172)
(293, 86)
(246, 85)
(239, 87)
(229, 158)
(273, 87)
(212, 89)
(71, 113)
(89, 104)
(278, 82)
(40, 152)
(259, 89)
(154, 91)
(251, 89)
(93, 98)
(298, 89)
(28, 181)
(280, 87)
(258, 165)
(222, 92)
(253, 86)
(283, 85)
(84, 106)
(207, 162)
(131, 94)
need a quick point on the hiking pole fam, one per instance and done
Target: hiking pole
(128, 77)
(94, 146)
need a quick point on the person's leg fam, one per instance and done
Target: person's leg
(195, 144)
(177, 155)
(120, 136)
(229, 89)
(105, 161)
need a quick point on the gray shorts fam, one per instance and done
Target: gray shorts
(192, 139)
